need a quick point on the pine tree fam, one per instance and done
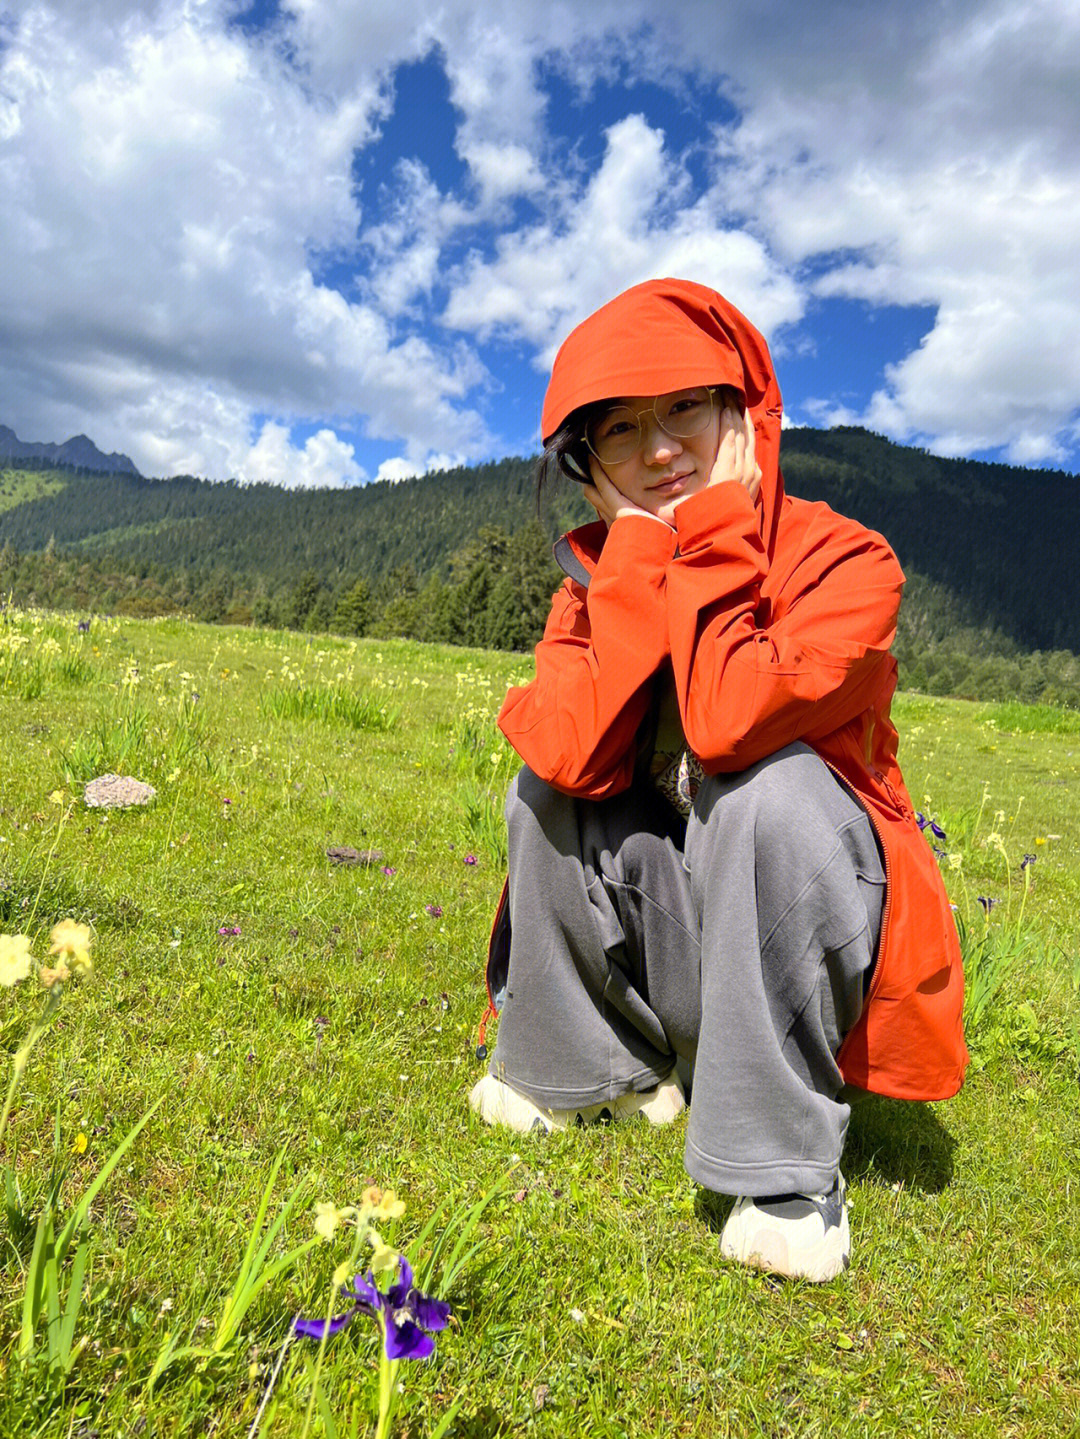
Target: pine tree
(352, 613)
(302, 600)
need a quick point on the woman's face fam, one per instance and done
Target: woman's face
(665, 469)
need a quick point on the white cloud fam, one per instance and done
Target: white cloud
(171, 186)
(938, 155)
(504, 170)
(324, 461)
(399, 468)
(160, 216)
(636, 219)
(396, 470)
(405, 249)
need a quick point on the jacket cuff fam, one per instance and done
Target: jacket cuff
(635, 540)
(726, 506)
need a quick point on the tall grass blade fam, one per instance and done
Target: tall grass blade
(448, 1418)
(254, 1276)
(52, 1296)
(227, 1330)
(74, 1304)
(463, 1223)
(326, 1414)
(253, 1241)
(34, 1288)
(78, 1216)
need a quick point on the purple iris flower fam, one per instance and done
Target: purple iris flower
(921, 819)
(1027, 859)
(936, 830)
(986, 902)
(404, 1313)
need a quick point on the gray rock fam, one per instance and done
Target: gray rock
(345, 854)
(117, 791)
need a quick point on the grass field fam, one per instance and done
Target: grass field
(282, 1003)
(18, 486)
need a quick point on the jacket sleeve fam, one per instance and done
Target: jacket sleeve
(575, 724)
(752, 673)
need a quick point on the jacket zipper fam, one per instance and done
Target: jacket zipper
(887, 910)
(490, 1012)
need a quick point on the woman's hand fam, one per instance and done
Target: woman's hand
(735, 460)
(610, 502)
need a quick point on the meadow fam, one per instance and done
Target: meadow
(281, 1004)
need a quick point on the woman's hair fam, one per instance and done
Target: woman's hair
(566, 453)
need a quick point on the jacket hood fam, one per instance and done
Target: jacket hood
(668, 335)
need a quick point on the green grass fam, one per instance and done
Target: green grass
(339, 1026)
(336, 704)
(19, 486)
(1015, 718)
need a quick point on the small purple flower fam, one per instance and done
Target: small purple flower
(986, 902)
(388, 870)
(936, 830)
(435, 910)
(229, 929)
(921, 819)
(925, 822)
(1028, 859)
(404, 1313)
(470, 859)
(941, 853)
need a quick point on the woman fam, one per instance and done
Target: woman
(715, 868)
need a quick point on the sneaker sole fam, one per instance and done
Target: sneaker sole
(496, 1103)
(769, 1250)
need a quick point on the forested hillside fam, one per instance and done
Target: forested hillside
(990, 551)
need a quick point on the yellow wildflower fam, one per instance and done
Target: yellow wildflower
(390, 1206)
(383, 1257)
(60, 975)
(79, 1143)
(57, 797)
(14, 959)
(328, 1218)
(73, 939)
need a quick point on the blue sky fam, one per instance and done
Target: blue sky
(321, 244)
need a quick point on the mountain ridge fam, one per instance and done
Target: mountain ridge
(1002, 539)
(79, 452)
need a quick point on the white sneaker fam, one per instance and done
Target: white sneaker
(496, 1103)
(802, 1236)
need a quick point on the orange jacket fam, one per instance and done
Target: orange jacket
(775, 621)
(762, 654)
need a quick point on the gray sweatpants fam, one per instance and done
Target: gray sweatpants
(740, 942)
